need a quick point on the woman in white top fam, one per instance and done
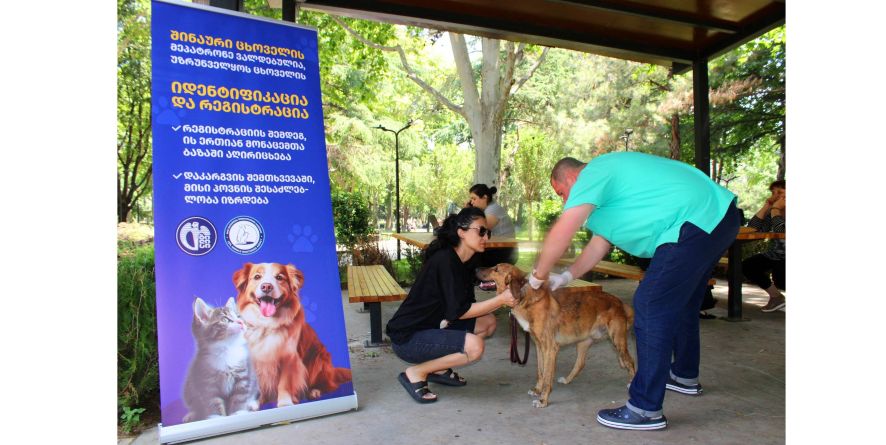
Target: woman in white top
(498, 221)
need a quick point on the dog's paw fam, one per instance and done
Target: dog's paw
(539, 403)
(314, 394)
(533, 392)
(562, 380)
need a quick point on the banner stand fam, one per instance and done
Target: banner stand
(250, 324)
(223, 425)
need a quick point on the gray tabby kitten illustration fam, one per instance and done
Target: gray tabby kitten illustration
(221, 380)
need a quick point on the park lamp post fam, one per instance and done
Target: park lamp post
(627, 136)
(397, 171)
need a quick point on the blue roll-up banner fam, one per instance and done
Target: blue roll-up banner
(250, 322)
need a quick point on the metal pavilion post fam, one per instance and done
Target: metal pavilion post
(397, 171)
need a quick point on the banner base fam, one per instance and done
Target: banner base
(222, 425)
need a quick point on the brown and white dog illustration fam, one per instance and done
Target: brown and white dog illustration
(290, 361)
(561, 318)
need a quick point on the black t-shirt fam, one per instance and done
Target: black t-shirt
(443, 290)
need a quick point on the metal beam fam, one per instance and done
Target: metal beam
(505, 29)
(659, 14)
(701, 109)
(289, 11)
(233, 5)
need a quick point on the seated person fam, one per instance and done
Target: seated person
(757, 268)
(498, 221)
(440, 325)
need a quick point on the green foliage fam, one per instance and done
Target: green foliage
(414, 261)
(534, 159)
(130, 418)
(350, 212)
(134, 162)
(747, 106)
(137, 368)
(546, 215)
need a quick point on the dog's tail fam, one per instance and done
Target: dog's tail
(342, 375)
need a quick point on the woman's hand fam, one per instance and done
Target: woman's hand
(507, 298)
(779, 204)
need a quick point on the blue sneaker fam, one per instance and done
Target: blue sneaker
(692, 390)
(625, 419)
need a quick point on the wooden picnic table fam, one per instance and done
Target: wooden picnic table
(423, 239)
(733, 271)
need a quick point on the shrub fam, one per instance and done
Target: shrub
(367, 253)
(138, 381)
(548, 212)
(350, 211)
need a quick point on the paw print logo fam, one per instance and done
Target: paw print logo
(310, 308)
(166, 115)
(302, 239)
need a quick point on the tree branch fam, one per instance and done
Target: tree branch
(410, 73)
(538, 62)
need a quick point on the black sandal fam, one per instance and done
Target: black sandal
(448, 378)
(417, 390)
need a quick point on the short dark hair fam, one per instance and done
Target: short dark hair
(777, 185)
(563, 165)
(482, 190)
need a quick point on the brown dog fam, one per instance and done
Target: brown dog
(560, 318)
(290, 361)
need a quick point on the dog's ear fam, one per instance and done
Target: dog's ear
(515, 279)
(241, 277)
(296, 278)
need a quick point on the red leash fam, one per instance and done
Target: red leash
(515, 356)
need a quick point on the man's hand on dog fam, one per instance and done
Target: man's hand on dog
(507, 298)
(555, 280)
(558, 280)
(535, 283)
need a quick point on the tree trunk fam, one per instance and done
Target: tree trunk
(782, 158)
(675, 136)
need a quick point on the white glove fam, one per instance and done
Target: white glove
(535, 282)
(558, 280)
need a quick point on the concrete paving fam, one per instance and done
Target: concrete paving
(742, 370)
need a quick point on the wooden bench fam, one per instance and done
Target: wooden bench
(372, 285)
(619, 270)
(574, 285)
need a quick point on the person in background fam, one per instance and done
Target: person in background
(650, 207)
(757, 268)
(440, 325)
(498, 221)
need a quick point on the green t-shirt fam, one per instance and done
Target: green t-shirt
(642, 200)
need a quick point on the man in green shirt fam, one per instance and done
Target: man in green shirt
(650, 207)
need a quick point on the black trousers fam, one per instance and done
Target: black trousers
(758, 267)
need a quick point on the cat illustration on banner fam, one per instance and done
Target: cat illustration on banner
(221, 379)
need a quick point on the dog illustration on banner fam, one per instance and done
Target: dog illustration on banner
(221, 380)
(291, 363)
(560, 318)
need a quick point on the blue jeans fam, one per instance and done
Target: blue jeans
(666, 306)
(429, 344)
